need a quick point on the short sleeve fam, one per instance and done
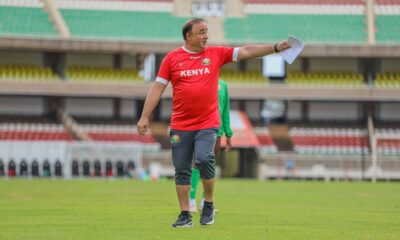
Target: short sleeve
(226, 54)
(164, 74)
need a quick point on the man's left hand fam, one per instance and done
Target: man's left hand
(228, 144)
(282, 46)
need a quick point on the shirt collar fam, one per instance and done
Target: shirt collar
(188, 51)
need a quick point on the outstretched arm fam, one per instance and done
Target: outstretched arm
(152, 99)
(255, 51)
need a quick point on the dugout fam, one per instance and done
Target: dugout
(242, 159)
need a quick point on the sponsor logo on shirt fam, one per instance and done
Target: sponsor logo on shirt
(195, 72)
(206, 61)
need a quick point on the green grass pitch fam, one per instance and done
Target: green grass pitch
(129, 209)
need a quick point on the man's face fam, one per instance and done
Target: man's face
(198, 36)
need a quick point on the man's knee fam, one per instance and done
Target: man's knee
(206, 164)
(182, 177)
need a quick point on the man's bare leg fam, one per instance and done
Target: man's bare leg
(208, 185)
(182, 192)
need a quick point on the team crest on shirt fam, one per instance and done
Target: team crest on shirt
(206, 61)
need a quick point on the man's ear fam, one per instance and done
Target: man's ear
(188, 34)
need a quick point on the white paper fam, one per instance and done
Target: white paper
(292, 53)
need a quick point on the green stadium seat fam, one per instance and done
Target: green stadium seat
(310, 28)
(387, 28)
(122, 25)
(335, 79)
(248, 77)
(25, 21)
(388, 80)
(27, 73)
(101, 74)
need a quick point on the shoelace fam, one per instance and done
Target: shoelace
(183, 216)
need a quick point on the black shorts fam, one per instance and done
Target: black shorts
(199, 143)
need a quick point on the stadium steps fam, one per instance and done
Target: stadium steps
(280, 135)
(72, 127)
(56, 18)
(216, 29)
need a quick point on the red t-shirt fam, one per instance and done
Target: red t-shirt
(194, 78)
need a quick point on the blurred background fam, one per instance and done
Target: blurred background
(74, 75)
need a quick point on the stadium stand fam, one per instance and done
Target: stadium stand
(335, 79)
(33, 132)
(138, 20)
(387, 21)
(267, 144)
(388, 146)
(248, 77)
(387, 80)
(27, 73)
(312, 21)
(329, 141)
(101, 74)
(25, 18)
(120, 133)
(333, 151)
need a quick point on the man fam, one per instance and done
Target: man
(193, 71)
(225, 128)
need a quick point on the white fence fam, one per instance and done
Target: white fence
(69, 159)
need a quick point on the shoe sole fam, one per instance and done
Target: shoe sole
(210, 222)
(189, 225)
